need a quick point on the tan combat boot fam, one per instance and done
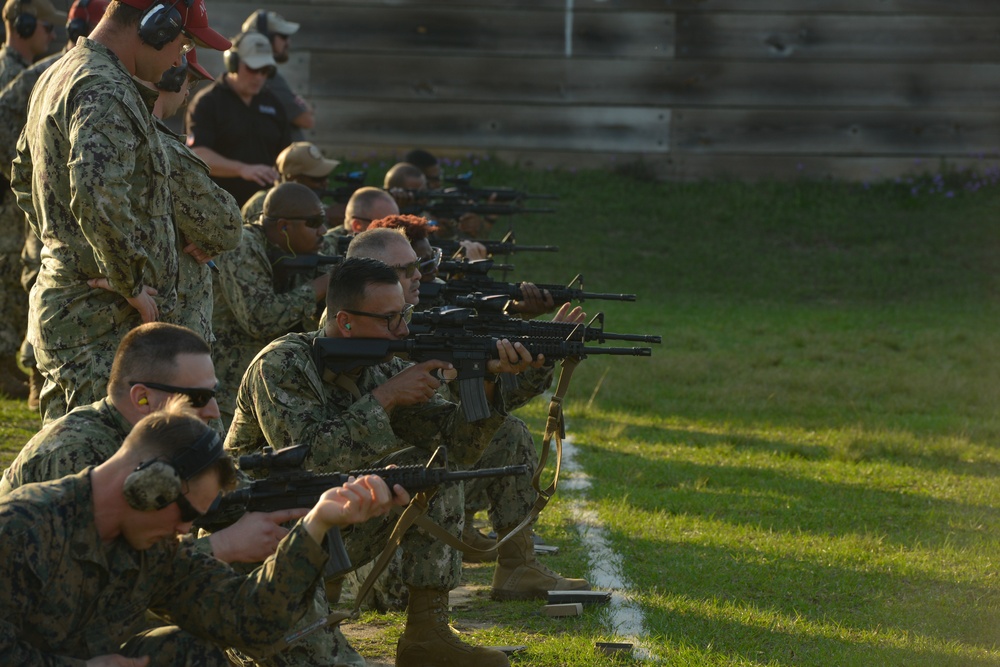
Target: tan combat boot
(12, 380)
(472, 537)
(519, 575)
(35, 382)
(428, 640)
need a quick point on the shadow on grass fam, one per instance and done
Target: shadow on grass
(859, 448)
(775, 500)
(726, 641)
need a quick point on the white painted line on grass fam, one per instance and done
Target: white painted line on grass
(627, 620)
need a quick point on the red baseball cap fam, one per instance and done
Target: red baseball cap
(91, 12)
(194, 18)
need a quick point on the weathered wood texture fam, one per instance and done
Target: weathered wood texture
(689, 89)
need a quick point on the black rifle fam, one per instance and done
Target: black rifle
(501, 247)
(471, 284)
(466, 352)
(502, 326)
(353, 181)
(463, 183)
(289, 486)
(456, 209)
(285, 267)
(470, 267)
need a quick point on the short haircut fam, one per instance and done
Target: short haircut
(149, 353)
(415, 227)
(167, 432)
(350, 279)
(374, 243)
(124, 15)
(290, 200)
(400, 173)
(418, 157)
(363, 200)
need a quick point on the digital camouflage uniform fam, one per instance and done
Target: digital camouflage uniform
(205, 215)
(249, 314)
(285, 400)
(14, 230)
(13, 301)
(67, 595)
(86, 436)
(91, 175)
(508, 499)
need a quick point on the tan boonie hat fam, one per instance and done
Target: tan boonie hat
(254, 50)
(304, 159)
(269, 23)
(292, 201)
(44, 10)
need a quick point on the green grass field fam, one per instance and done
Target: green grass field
(804, 473)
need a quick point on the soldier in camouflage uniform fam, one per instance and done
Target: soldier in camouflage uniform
(85, 556)
(374, 416)
(29, 27)
(250, 309)
(89, 435)
(207, 218)
(91, 176)
(396, 240)
(14, 230)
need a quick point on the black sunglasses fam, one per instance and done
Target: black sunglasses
(313, 221)
(392, 320)
(198, 396)
(431, 263)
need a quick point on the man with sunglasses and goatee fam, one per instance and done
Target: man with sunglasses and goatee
(251, 309)
(154, 363)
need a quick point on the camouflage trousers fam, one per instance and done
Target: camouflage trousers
(508, 499)
(169, 646)
(75, 376)
(13, 305)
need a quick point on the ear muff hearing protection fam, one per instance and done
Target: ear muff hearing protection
(156, 483)
(162, 23)
(78, 27)
(231, 56)
(262, 23)
(25, 24)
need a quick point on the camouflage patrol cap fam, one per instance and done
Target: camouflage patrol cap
(292, 201)
(304, 159)
(43, 9)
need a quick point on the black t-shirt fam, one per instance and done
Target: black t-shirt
(218, 119)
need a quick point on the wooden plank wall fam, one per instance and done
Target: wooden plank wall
(853, 89)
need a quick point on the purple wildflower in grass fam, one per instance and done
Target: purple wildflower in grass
(475, 162)
(950, 194)
(364, 165)
(866, 185)
(800, 167)
(457, 163)
(915, 190)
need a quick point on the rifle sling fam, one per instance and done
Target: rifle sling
(555, 429)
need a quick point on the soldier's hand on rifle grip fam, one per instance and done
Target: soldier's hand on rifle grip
(413, 385)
